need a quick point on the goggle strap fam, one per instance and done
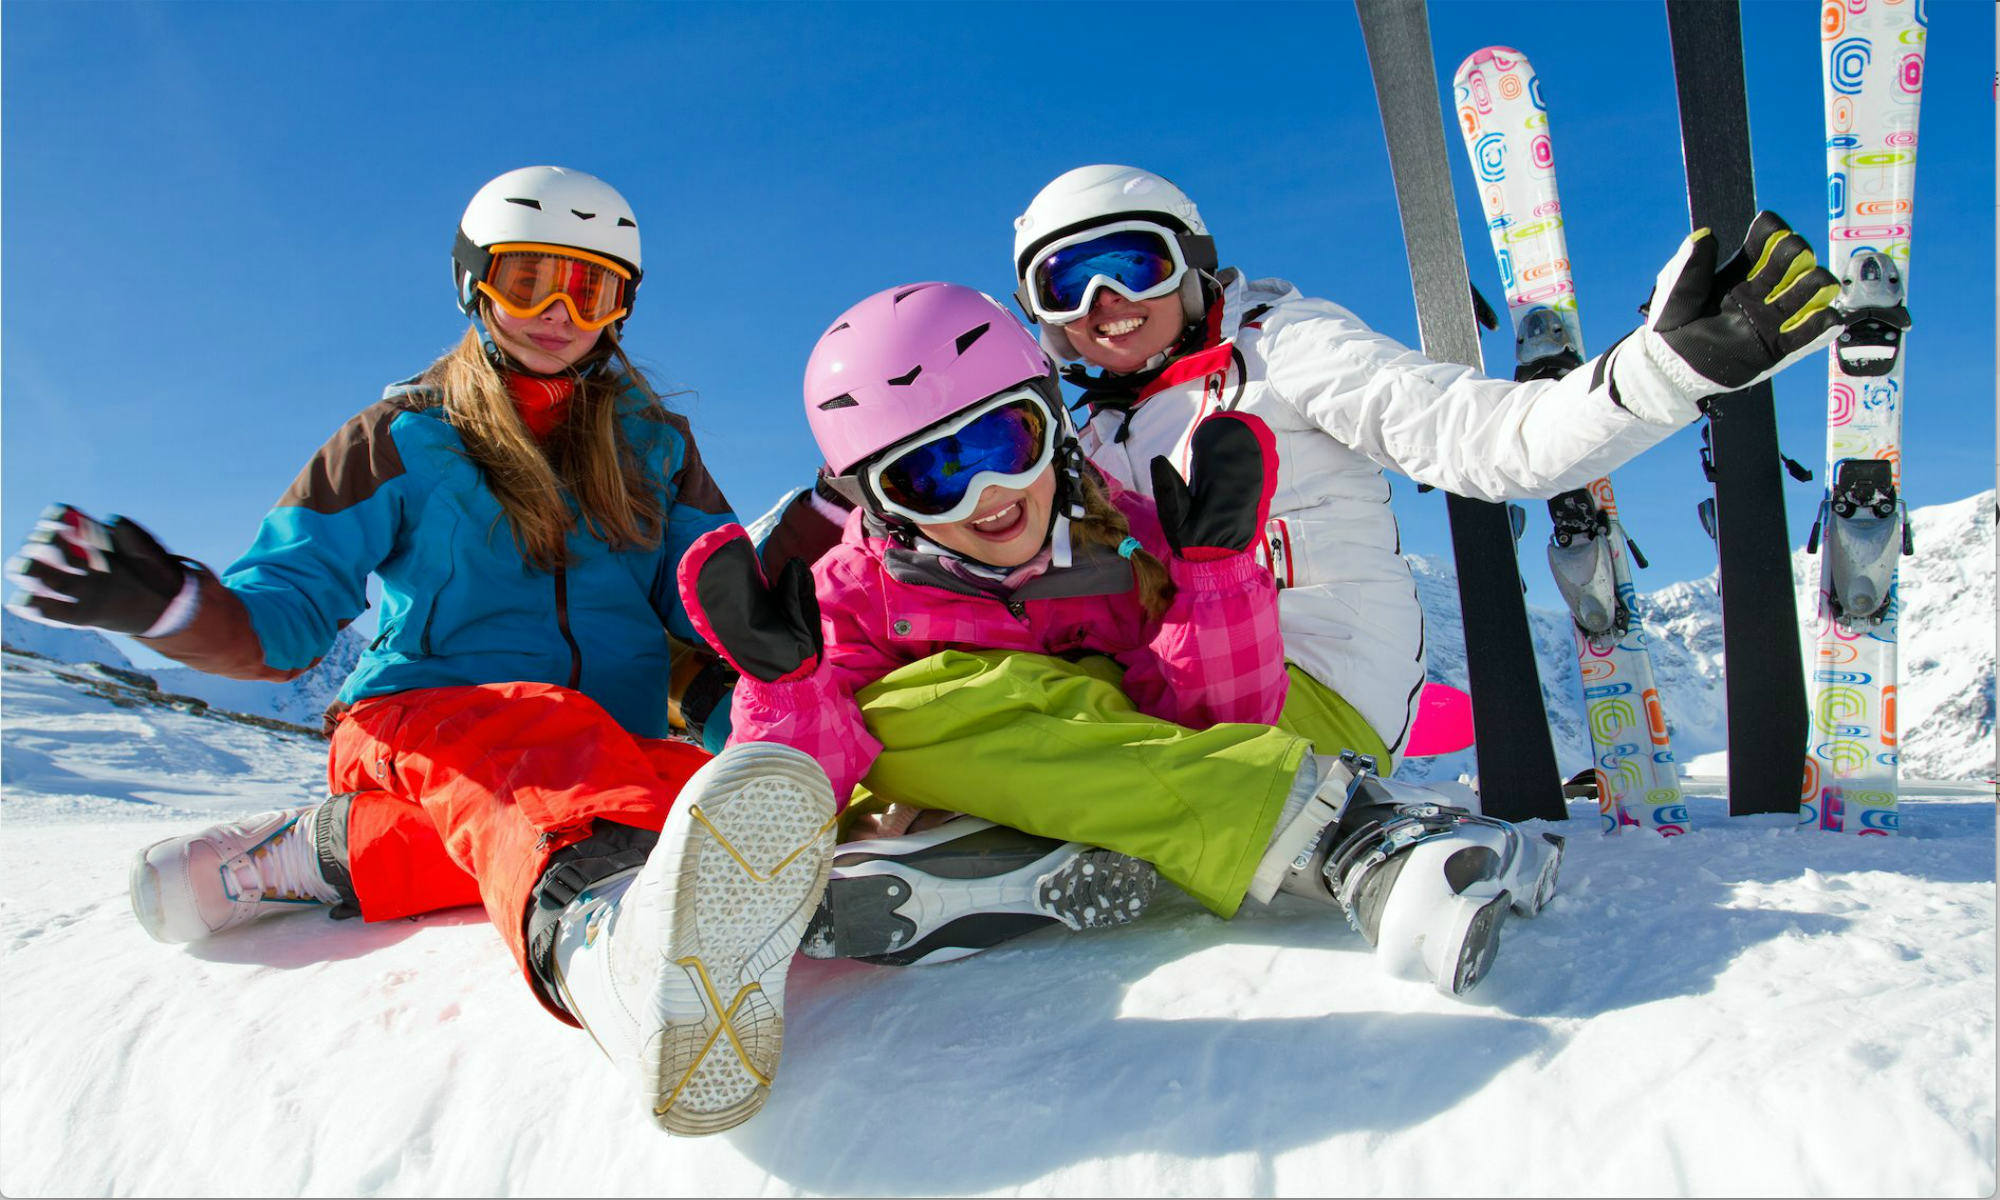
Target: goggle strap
(1199, 251)
(848, 487)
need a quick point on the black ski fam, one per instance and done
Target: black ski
(1517, 761)
(1764, 677)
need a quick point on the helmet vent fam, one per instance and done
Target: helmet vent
(836, 328)
(581, 215)
(908, 291)
(627, 221)
(972, 335)
(525, 202)
(841, 401)
(907, 380)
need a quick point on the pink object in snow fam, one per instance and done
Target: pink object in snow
(1444, 722)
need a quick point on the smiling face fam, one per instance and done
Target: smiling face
(545, 343)
(1121, 335)
(1008, 528)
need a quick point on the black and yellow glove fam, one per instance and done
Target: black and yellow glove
(1718, 330)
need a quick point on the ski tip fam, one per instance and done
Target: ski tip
(1502, 57)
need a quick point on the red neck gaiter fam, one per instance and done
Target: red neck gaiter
(542, 401)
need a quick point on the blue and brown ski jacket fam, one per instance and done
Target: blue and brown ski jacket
(395, 494)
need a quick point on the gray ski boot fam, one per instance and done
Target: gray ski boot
(1428, 884)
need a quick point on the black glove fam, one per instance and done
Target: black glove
(1235, 465)
(769, 632)
(1723, 330)
(75, 570)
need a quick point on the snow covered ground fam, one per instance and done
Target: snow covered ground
(1747, 1010)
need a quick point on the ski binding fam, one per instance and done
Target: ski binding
(1546, 346)
(1580, 559)
(1865, 529)
(1871, 300)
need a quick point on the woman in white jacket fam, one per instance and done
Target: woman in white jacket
(1118, 270)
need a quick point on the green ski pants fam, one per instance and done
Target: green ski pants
(1055, 748)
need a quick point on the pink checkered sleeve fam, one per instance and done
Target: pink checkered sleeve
(815, 714)
(1217, 656)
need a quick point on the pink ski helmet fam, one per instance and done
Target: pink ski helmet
(907, 358)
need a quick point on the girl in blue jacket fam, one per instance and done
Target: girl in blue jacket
(503, 740)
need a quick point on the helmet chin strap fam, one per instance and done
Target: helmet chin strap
(1069, 480)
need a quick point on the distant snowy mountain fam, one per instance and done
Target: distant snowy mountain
(299, 702)
(1946, 641)
(60, 642)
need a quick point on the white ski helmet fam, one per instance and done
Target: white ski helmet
(550, 206)
(1100, 194)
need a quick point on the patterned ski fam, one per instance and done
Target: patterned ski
(1873, 54)
(1506, 128)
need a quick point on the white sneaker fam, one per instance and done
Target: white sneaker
(678, 968)
(188, 888)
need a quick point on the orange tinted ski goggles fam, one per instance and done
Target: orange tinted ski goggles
(526, 277)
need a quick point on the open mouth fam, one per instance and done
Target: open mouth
(1000, 524)
(1120, 327)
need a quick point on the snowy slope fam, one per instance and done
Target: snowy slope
(1745, 1010)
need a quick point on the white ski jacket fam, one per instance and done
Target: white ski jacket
(1344, 403)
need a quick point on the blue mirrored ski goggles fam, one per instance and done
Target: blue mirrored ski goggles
(1137, 259)
(938, 476)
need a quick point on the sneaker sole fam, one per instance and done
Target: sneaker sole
(1096, 889)
(144, 884)
(748, 870)
(867, 913)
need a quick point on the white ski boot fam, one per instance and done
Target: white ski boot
(188, 888)
(677, 968)
(966, 885)
(1428, 884)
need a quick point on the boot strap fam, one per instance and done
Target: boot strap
(1380, 841)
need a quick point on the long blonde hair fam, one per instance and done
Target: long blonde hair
(1104, 525)
(586, 459)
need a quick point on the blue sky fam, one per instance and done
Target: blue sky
(227, 226)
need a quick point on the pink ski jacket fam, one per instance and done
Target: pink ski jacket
(1213, 657)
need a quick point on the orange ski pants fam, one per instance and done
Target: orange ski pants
(463, 793)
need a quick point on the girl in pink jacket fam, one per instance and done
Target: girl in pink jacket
(1004, 634)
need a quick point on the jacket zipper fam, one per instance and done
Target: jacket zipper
(562, 623)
